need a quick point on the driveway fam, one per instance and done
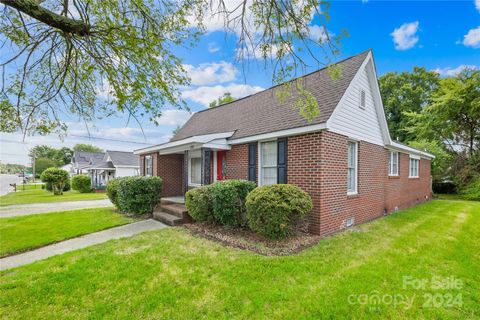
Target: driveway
(38, 208)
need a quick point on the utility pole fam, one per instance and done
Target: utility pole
(33, 165)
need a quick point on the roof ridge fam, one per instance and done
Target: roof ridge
(280, 84)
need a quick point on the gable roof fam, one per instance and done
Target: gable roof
(123, 159)
(262, 112)
(87, 157)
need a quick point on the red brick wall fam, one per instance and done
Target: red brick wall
(237, 162)
(303, 170)
(168, 167)
(317, 162)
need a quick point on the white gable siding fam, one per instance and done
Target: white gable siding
(351, 120)
(126, 172)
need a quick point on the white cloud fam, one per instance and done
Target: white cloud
(472, 38)
(319, 33)
(213, 47)
(451, 72)
(205, 95)
(405, 37)
(211, 73)
(477, 4)
(174, 117)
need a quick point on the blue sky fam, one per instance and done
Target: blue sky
(437, 35)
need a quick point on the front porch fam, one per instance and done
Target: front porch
(187, 163)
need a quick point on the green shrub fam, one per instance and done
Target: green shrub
(48, 186)
(112, 190)
(81, 183)
(228, 201)
(58, 178)
(199, 204)
(472, 190)
(275, 211)
(138, 195)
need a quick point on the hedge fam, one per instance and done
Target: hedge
(472, 190)
(48, 186)
(199, 204)
(228, 201)
(81, 183)
(112, 190)
(138, 195)
(275, 211)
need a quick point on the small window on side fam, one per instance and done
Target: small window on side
(393, 164)
(362, 99)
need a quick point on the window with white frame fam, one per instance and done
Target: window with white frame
(413, 173)
(393, 164)
(268, 158)
(363, 98)
(352, 167)
(148, 166)
(195, 171)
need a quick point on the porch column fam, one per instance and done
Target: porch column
(206, 165)
(185, 172)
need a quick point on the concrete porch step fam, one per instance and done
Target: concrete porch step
(166, 218)
(174, 209)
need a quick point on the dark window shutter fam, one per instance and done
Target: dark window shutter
(282, 160)
(252, 162)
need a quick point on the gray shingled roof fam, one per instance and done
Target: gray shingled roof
(263, 113)
(101, 165)
(87, 157)
(122, 158)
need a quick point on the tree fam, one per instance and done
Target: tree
(226, 98)
(406, 92)
(42, 164)
(442, 163)
(57, 177)
(453, 116)
(86, 148)
(60, 156)
(96, 58)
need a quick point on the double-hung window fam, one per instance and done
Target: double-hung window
(268, 156)
(148, 166)
(195, 171)
(352, 167)
(413, 170)
(393, 164)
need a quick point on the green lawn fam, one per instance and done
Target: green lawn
(170, 274)
(28, 232)
(39, 195)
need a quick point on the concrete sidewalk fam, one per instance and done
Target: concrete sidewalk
(79, 243)
(37, 208)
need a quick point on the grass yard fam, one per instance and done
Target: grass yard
(39, 195)
(170, 274)
(27, 232)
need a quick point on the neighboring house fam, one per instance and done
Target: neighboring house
(81, 159)
(114, 164)
(345, 158)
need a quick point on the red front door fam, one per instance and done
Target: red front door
(221, 165)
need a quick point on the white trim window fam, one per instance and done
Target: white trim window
(393, 163)
(268, 162)
(195, 176)
(148, 166)
(352, 175)
(413, 168)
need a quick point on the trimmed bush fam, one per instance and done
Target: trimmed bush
(276, 211)
(228, 201)
(81, 183)
(112, 190)
(199, 204)
(48, 186)
(138, 195)
(58, 179)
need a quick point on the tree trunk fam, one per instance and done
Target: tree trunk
(34, 10)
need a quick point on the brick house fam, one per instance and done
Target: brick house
(345, 158)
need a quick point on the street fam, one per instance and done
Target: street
(6, 180)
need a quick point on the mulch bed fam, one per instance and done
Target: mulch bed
(248, 240)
